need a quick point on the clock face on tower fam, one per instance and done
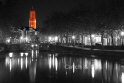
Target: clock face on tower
(32, 19)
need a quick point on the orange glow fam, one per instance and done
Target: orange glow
(32, 19)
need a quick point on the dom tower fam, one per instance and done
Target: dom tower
(32, 19)
(32, 33)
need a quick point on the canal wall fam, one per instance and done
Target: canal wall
(105, 51)
(109, 52)
(13, 48)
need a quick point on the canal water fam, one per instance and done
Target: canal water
(36, 67)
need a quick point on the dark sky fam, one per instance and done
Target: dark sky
(16, 12)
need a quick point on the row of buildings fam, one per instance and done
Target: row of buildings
(86, 39)
(30, 34)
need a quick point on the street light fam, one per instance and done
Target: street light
(73, 40)
(26, 54)
(10, 54)
(49, 39)
(27, 39)
(122, 33)
(73, 37)
(21, 54)
(21, 38)
(92, 35)
(8, 40)
(56, 38)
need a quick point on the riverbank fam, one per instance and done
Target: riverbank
(106, 51)
(89, 50)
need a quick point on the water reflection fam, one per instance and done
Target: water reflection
(52, 65)
(23, 61)
(52, 61)
(16, 61)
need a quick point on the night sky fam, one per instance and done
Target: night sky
(16, 12)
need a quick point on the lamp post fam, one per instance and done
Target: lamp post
(122, 35)
(8, 40)
(56, 39)
(92, 39)
(73, 39)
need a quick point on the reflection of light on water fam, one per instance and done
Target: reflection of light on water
(18, 61)
(10, 64)
(97, 64)
(36, 53)
(56, 63)
(26, 62)
(50, 63)
(106, 64)
(73, 67)
(53, 60)
(21, 63)
(32, 72)
(85, 63)
(122, 77)
(32, 53)
(66, 73)
(93, 71)
(7, 61)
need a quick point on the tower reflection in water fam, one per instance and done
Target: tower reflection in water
(23, 61)
(91, 68)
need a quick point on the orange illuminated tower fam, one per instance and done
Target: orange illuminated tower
(32, 19)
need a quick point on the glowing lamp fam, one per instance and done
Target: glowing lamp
(22, 54)
(26, 54)
(32, 45)
(92, 35)
(21, 38)
(122, 33)
(56, 38)
(73, 37)
(50, 38)
(8, 40)
(26, 38)
(10, 54)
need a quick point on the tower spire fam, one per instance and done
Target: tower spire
(32, 7)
